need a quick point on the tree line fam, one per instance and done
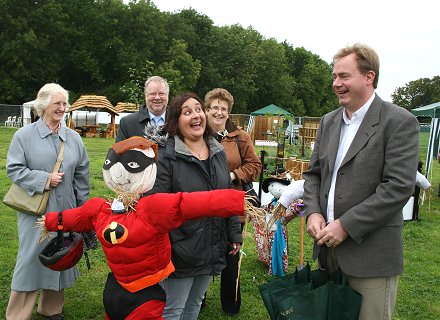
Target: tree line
(108, 47)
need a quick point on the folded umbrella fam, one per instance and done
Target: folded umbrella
(311, 295)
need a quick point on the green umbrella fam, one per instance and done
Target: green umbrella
(311, 295)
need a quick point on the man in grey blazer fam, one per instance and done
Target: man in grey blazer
(361, 174)
(150, 115)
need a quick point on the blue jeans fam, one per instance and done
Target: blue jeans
(184, 296)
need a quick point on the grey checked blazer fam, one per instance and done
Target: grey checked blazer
(375, 180)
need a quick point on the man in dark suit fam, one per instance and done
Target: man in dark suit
(361, 174)
(150, 116)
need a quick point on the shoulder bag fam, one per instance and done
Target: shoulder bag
(17, 198)
(248, 187)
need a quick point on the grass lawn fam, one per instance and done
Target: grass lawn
(418, 295)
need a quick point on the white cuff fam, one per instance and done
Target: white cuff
(422, 182)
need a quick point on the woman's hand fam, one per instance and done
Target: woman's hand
(55, 179)
(235, 248)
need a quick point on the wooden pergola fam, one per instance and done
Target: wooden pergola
(95, 103)
(126, 107)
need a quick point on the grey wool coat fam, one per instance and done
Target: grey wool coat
(31, 157)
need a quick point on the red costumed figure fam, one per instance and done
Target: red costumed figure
(134, 232)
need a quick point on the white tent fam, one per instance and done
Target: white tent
(27, 109)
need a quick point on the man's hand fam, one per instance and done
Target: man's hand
(332, 235)
(315, 223)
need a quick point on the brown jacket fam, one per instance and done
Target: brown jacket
(244, 163)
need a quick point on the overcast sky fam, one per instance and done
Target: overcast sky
(405, 34)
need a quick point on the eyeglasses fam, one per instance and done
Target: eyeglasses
(59, 104)
(217, 108)
(154, 94)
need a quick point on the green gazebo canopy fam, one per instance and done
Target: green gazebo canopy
(431, 110)
(271, 109)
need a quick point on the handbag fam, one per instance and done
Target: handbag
(249, 187)
(17, 198)
(250, 191)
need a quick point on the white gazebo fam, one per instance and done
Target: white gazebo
(27, 109)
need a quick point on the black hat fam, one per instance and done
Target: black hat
(64, 251)
(60, 258)
(268, 181)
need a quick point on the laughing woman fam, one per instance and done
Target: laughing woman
(194, 161)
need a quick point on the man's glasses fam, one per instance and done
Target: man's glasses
(154, 94)
(217, 108)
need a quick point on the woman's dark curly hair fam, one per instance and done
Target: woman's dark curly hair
(174, 111)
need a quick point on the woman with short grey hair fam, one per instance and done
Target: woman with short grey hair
(30, 161)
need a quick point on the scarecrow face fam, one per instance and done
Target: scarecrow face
(276, 188)
(133, 171)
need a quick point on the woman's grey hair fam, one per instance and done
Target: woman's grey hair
(44, 97)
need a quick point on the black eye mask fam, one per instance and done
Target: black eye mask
(133, 161)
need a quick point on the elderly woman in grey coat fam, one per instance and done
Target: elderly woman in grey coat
(30, 161)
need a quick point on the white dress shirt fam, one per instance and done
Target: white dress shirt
(348, 132)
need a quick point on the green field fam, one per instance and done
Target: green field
(418, 296)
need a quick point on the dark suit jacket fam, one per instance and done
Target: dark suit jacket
(375, 180)
(133, 124)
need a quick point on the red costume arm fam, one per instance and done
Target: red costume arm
(79, 219)
(167, 211)
(216, 203)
